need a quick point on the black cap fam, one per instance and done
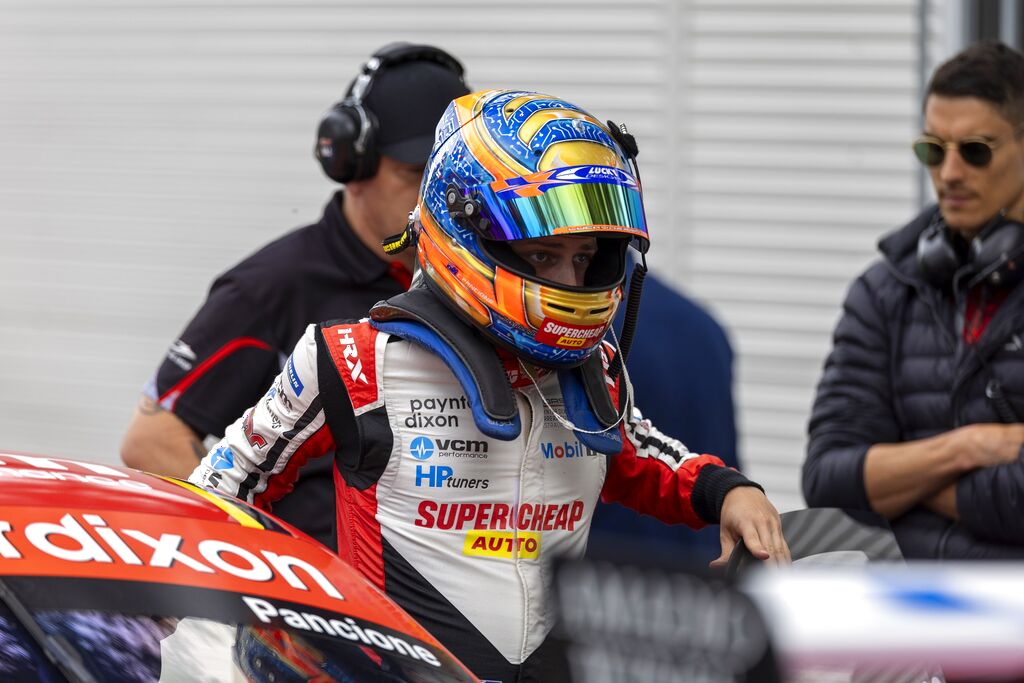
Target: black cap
(408, 99)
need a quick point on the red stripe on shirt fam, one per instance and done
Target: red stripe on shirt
(221, 353)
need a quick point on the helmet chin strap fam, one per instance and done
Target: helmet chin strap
(625, 385)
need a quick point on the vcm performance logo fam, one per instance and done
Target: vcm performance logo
(422, 448)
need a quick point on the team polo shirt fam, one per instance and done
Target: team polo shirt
(228, 355)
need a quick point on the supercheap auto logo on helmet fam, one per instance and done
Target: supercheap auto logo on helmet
(511, 165)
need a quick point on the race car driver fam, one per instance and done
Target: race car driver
(478, 417)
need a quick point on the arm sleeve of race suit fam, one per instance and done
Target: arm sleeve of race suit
(990, 502)
(656, 475)
(261, 452)
(222, 362)
(853, 407)
(701, 357)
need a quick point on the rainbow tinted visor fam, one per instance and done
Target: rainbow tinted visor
(564, 201)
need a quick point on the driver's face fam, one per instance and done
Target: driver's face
(560, 258)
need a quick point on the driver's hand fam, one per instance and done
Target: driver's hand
(747, 514)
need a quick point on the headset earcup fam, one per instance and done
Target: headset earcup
(346, 144)
(998, 257)
(335, 143)
(936, 257)
(368, 161)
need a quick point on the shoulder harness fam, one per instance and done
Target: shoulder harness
(420, 317)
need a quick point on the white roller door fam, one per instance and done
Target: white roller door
(800, 120)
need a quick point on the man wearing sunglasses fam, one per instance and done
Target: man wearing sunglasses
(918, 411)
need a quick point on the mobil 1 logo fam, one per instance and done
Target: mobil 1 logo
(565, 450)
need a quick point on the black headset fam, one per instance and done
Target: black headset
(346, 144)
(994, 256)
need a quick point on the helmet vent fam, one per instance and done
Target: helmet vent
(564, 309)
(596, 311)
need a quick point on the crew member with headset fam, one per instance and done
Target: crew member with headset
(375, 144)
(918, 412)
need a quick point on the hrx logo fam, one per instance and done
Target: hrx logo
(348, 347)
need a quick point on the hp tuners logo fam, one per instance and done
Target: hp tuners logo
(437, 476)
(565, 450)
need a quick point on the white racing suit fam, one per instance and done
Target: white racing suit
(452, 523)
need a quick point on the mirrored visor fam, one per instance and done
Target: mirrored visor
(564, 201)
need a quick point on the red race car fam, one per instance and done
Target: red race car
(108, 574)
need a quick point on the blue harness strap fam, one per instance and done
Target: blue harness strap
(579, 413)
(433, 342)
(417, 315)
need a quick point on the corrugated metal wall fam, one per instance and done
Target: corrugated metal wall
(145, 146)
(801, 116)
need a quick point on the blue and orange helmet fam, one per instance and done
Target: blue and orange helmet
(511, 165)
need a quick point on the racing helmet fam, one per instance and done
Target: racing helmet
(511, 165)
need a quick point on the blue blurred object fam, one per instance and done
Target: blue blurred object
(681, 368)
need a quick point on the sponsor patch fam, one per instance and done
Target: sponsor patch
(434, 411)
(535, 184)
(500, 516)
(565, 449)
(255, 439)
(508, 544)
(422, 448)
(352, 348)
(293, 376)
(567, 336)
(181, 354)
(223, 458)
(433, 476)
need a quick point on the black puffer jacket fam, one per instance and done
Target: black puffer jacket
(899, 371)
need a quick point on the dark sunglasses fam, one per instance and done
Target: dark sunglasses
(931, 151)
